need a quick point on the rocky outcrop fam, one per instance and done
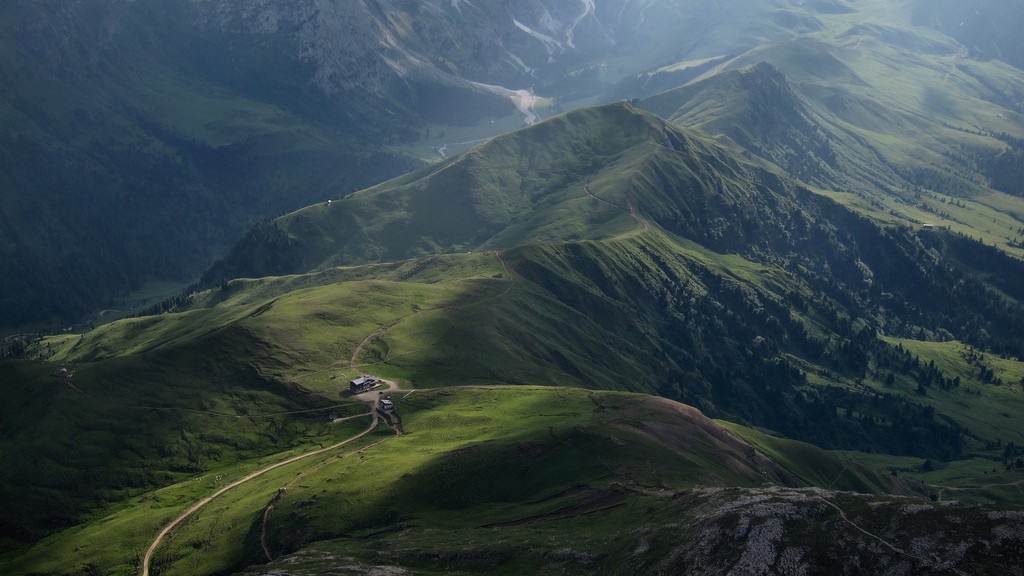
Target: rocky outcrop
(813, 531)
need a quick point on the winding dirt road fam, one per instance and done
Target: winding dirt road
(147, 559)
(277, 497)
(369, 397)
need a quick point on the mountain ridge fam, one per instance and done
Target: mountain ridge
(779, 324)
(683, 203)
(614, 252)
(231, 114)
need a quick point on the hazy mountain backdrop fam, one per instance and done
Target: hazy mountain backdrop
(142, 137)
(660, 286)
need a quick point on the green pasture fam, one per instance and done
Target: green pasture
(471, 456)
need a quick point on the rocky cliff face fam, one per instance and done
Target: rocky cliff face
(334, 59)
(372, 44)
(814, 531)
(347, 46)
(127, 101)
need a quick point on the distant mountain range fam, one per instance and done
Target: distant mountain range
(144, 137)
(141, 138)
(761, 311)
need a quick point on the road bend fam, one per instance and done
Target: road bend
(147, 559)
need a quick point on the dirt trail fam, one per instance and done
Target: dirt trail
(382, 330)
(508, 272)
(629, 207)
(372, 336)
(882, 541)
(969, 488)
(368, 397)
(146, 560)
(586, 190)
(280, 492)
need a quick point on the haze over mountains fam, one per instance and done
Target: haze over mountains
(689, 287)
(143, 137)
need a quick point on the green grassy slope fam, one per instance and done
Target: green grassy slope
(141, 138)
(875, 103)
(757, 109)
(438, 333)
(522, 317)
(716, 282)
(666, 265)
(525, 186)
(122, 427)
(494, 456)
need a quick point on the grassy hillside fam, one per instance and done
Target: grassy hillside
(261, 348)
(660, 233)
(488, 198)
(122, 427)
(540, 305)
(502, 480)
(151, 115)
(142, 138)
(758, 110)
(601, 250)
(875, 103)
(574, 453)
(716, 282)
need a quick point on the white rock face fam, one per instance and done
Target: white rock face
(371, 44)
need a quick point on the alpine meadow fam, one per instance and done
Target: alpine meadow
(416, 287)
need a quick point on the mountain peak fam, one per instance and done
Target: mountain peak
(515, 189)
(756, 108)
